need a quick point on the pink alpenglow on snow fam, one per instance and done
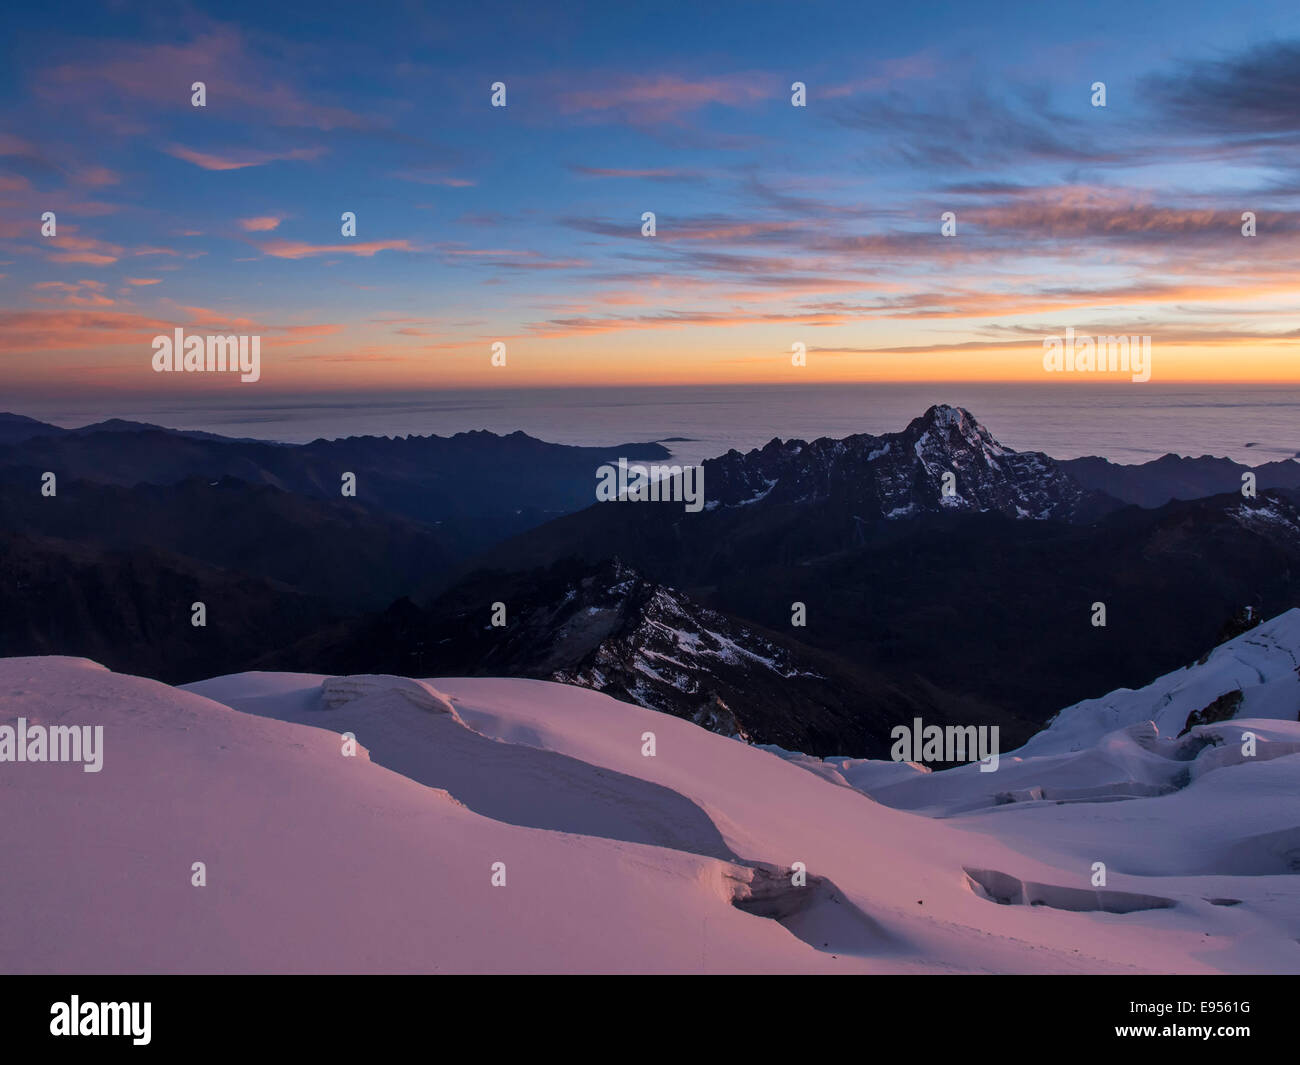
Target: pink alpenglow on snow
(384, 824)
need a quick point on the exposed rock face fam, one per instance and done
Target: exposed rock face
(902, 474)
(609, 628)
(1222, 709)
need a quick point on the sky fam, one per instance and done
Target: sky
(775, 225)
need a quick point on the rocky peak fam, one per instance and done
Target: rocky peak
(903, 474)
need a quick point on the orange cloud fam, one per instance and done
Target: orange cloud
(208, 318)
(370, 354)
(317, 330)
(239, 160)
(297, 249)
(67, 247)
(25, 331)
(260, 224)
(81, 294)
(579, 326)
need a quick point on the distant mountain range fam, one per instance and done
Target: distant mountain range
(15, 428)
(1170, 477)
(940, 573)
(476, 487)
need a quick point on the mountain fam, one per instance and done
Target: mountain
(792, 502)
(1190, 775)
(949, 617)
(609, 860)
(132, 608)
(1154, 483)
(340, 550)
(479, 486)
(15, 428)
(147, 521)
(122, 425)
(1255, 675)
(901, 475)
(998, 608)
(977, 606)
(607, 628)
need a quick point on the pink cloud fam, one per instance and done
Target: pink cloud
(11, 145)
(260, 224)
(916, 67)
(96, 175)
(435, 179)
(57, 330)
(297, 249)
(240, 159)
(665, 96)
(240, 83)
(70, 248)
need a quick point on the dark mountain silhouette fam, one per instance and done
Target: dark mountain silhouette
(976, 601)
(131, 610)
(18, 427)
(966, 606)
(606, 627)
(901, 475)
(350, 554)
(477, 487)
(1169, 477)
(792, 502)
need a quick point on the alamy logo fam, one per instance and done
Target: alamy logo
(956, 743)
(1081, 353)
(651, 484)
(58, 743)
(197, 354)
(102, 1018)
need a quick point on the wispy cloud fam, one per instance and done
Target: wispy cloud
(434, 179)
(25, 331)
(661, 173)
(241, 81)
(297, 249)
(664, 97)
(68, 247)
(239, 160)
(96, 176)
(1254, 92)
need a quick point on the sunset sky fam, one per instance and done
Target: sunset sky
(776, 225)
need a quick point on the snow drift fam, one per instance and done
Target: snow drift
(386, 824)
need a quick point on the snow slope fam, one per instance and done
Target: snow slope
(1262, 663)
(619, 862)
